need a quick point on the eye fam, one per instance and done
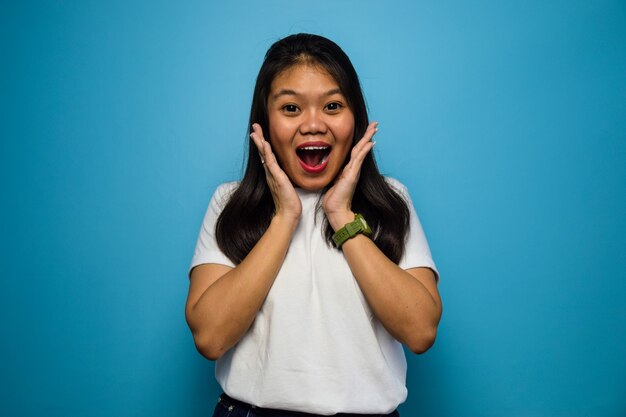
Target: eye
(290, 108)
(333, 107)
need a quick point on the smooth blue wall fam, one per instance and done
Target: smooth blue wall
(507, 120)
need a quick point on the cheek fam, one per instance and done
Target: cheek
(279, 129)
(271, 128)
(345, 134)
(346, 128)
(280, 140)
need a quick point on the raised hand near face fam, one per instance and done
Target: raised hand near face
(337, 201)
(286, 199)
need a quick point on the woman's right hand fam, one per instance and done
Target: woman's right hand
(286, 199)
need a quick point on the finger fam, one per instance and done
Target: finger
(258, 131)
(257, 135)
(258, 139)
(365, 149)
(271, 163)
(371, 130)
(272, 167)
(356, 160)
(364, 146)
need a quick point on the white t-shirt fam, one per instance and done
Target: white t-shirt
(315, 345)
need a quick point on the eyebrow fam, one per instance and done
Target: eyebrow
(288, 92)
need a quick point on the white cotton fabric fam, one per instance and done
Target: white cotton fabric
(314, 345)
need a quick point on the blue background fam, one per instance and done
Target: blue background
(506, 120)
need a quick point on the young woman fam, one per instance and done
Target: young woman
(310, 272)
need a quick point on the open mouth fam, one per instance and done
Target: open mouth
(313, 156)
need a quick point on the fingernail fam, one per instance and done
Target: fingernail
(374, 143)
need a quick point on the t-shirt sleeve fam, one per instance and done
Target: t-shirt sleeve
(416, 252)
(207, 251)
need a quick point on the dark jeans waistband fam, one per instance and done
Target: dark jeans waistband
(229, 402)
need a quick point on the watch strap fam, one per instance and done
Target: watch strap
(358, 225)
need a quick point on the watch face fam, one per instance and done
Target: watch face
(365, 227)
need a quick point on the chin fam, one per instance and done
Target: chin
(312, 184)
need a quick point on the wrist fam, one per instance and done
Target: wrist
(340, 219)
(287, 221)
(351, 229)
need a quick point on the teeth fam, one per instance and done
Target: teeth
(314, 148)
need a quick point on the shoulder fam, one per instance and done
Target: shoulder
(223, 192)
(227, 188)
(397, 186)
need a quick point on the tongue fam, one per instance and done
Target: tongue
(311, 158)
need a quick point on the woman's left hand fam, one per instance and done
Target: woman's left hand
(337, 201)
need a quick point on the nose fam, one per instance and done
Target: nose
(313, 123)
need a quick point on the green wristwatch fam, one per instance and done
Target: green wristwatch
(359, 225)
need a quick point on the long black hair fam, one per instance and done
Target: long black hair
(248, 212)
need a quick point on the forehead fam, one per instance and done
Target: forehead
(304, 78)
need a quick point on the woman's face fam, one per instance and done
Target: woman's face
(310, 125)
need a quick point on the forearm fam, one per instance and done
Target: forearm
(225, 310)
(402, 303)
